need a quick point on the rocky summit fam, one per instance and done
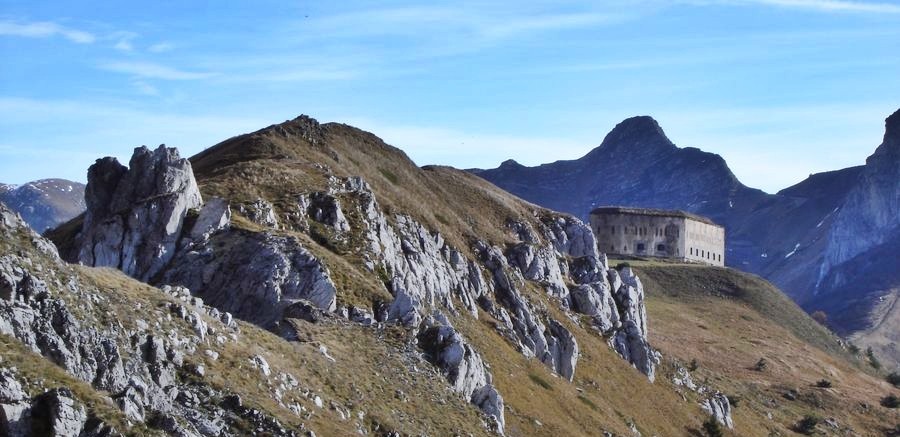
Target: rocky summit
(829, 241)
(309, 279)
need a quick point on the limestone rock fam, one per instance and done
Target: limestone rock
(254, 276)
(215, 215)
(539, 264)
(260, 212)
(630, 341)
(57, 413)
(717, 405)
(135, 215)
(595, 299)
(326, 209)
(461, 365)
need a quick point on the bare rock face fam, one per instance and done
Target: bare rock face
(717, 405)
(255, 276)
(135, 215)
(461, 365)
(871, 212)
(630, 341)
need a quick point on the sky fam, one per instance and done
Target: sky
(780, 88)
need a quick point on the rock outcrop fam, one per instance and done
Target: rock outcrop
(717, 405)
(139, 370)
(630, 341)
(135, 215)
(463, 367)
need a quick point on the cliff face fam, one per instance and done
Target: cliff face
(794, 238)
(46, 203)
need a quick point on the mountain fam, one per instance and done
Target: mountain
(46, 203)
(800, 238)
(309, 279)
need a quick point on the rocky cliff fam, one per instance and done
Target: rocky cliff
(794, 238)
(46, 203)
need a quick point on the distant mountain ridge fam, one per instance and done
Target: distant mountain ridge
(45, 203)
(803, 238)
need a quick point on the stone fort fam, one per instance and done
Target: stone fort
(645, 232)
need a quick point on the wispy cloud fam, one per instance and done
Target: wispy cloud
(45, 29)
(150, 70)
(461, 24)
(836, 5)
(813, 5)
(160, 47)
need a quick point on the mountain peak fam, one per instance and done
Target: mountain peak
(637, 134)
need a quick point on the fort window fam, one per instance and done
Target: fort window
(641, 247)
(661, 247)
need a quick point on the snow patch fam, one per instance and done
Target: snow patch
(797, 246)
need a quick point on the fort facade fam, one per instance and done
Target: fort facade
(646, 232)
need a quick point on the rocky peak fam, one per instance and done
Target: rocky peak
(635, 135)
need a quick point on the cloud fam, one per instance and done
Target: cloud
(813, 5)
(145, 88)
(45, 29)
(160, 47)
(463, 25)
(150, 70)
(836, 5)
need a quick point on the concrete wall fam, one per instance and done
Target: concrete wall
(704, 243)
(659, 236)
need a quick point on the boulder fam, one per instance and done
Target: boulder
(718, 406)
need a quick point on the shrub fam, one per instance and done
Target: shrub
(823, 383)
(694, 365)
(389, 175)
(854, 349)
(873, 360)
(807, 425)
(821, 317)
(890, 401)
(712, 428)
(733, 400)
(761, 365)
(894, 379)
(540, 381)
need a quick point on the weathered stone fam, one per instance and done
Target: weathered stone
(135, 216)
(255, 276)
(717, 405)
(260, 212)
(326, 209)
(215, 215)
(630, 341)
(57, 413)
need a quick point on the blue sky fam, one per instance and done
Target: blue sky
(780, 88)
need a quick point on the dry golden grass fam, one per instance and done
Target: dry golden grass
(728, 334)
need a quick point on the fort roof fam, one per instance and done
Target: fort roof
(652, 212)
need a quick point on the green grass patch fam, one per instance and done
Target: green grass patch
(540, 381)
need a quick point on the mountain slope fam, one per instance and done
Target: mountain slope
(46, 203)
(463, 308)
(786, 237)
